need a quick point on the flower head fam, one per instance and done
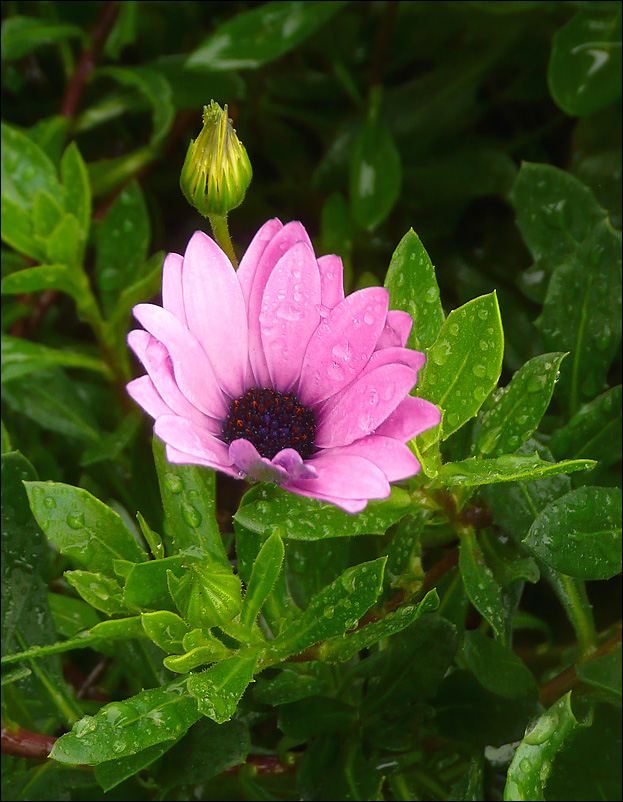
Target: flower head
(271, 373)
(217, 170)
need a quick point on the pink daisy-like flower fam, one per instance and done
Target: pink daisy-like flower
(271, 373)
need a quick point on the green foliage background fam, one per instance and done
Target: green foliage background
(459, 641)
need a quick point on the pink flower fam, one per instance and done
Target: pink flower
(270, 372)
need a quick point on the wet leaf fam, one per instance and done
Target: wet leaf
(580, 533)
(474, 471)
(412, 286)
(121, 729)
(584, 72)
(463, 366)
(251, 39)
(218, 690)
(81, 526)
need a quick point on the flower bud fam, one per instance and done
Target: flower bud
(217, 170)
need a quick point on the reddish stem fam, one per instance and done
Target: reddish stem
(85, 66)
(22, 743)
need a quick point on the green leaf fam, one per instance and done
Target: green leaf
(26, 171)
(47, 214)
(21, 35)
(337, 608)
(594, 432)
(413, 288)
(76, 188)
(64, 245)
(414, 663)
(207, 750)
(580, 533)
(464, 365)
(584, 72)
(200, 650)
(122, 242)
(343, 648)
(588, 765)
(26, 618)
(18, 231)
(208, 594)
(336, 227)
(98, 590)
(155, 89)
(71, 615)
(23, 357)
(218, 690)
(582, 313)
(166, 630)
(299, 518)
(496, 667)
(532, 763)
(188, 497)
(264, 575)
(474, 471)
(604, 674)
(6, 439)
(465, 711)
(118, 629)
(51, 399)
(148, 285)
(252, 38)
(24, 555)
(555, 213)
(291, 684)
(480, 585)
(113, 772)
(314, 716)
(146, 583)
(518, 408)
(375, 172)
(121, 729)
(81, 526)
(43, 277)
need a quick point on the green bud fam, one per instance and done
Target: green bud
(208, 595)
(217, 170)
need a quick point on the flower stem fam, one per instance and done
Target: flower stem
(220, 229)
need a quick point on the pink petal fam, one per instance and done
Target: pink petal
(157, 362)
(364, 405)
(410, 418)
(331, 280)
(192, 439)
(398, 356)
(245, 456)
(397, 329)
(253, 254)
(391, 456)
(343, 476)
(216, 311)
(283, 240)
(142, 391)
(177, 457)
(191, 367)
(289, 314)
(172, 295)
(342, 344)
(292, 462)
(351, 505)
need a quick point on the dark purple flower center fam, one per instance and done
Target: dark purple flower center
(271, 421)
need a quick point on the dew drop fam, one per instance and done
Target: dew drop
(174, 482)
(483, 314)
(191, 515)
(441, 352)
(453, 419)
(525, 765)
(368, 318)
(484, 345)
(542, 729)
(480, 394)
(49, 502)
(75, 521)
(85, 726)
(480, 371)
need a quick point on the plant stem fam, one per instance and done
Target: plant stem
(220, 229)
